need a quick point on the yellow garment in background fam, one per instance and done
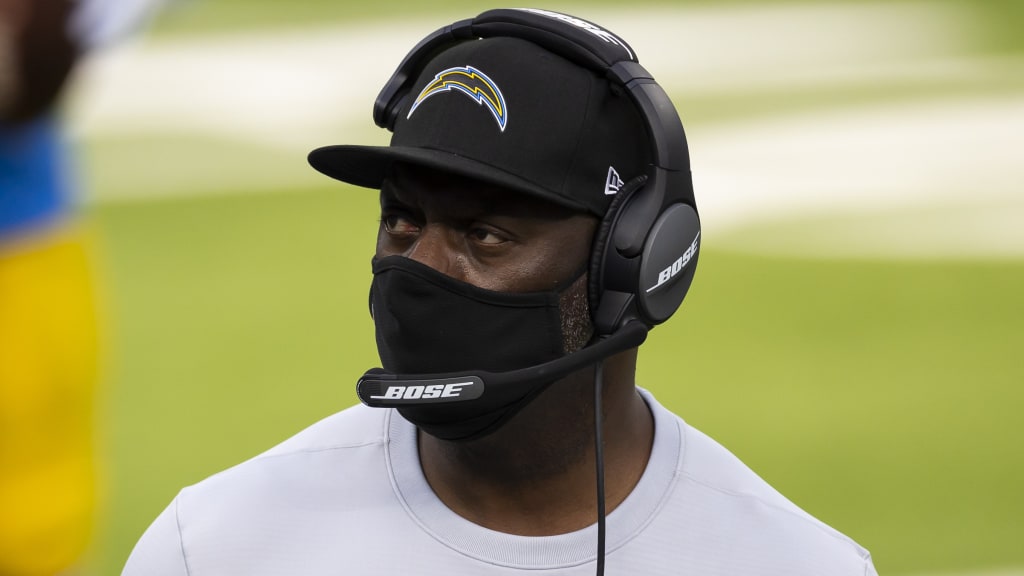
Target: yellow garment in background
(48, 381)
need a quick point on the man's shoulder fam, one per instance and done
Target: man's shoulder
(329, 479)
(353, 427)
(328, 445)
(724, 502)
(708, 463)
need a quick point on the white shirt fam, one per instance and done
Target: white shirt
(347, 497)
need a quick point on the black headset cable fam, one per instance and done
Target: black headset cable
(599, 463)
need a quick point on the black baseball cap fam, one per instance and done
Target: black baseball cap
(507, 111)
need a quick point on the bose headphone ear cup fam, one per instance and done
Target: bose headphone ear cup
(668, 263)
(647, 283)
(595, 276)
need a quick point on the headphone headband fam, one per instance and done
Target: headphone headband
(576, 39)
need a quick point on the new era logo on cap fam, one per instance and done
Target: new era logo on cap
(613, 183)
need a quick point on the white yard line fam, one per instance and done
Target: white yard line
(295, 90)
(955, 152)
(277, 88)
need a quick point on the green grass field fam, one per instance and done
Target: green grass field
(881, 396)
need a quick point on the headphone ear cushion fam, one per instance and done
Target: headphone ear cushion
(595, 277)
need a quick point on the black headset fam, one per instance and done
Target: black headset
(645, 251)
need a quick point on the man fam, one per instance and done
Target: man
(537, 218)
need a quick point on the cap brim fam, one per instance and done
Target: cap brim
(368, 166)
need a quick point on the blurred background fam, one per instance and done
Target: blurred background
(854, 333)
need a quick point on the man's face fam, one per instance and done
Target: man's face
(480, 233)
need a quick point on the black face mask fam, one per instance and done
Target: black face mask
(429, 323)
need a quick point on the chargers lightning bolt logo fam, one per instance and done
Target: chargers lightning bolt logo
(472, 83)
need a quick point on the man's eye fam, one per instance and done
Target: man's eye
(485, 236)
(398, 224)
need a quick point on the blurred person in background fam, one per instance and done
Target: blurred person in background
(49, 347)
